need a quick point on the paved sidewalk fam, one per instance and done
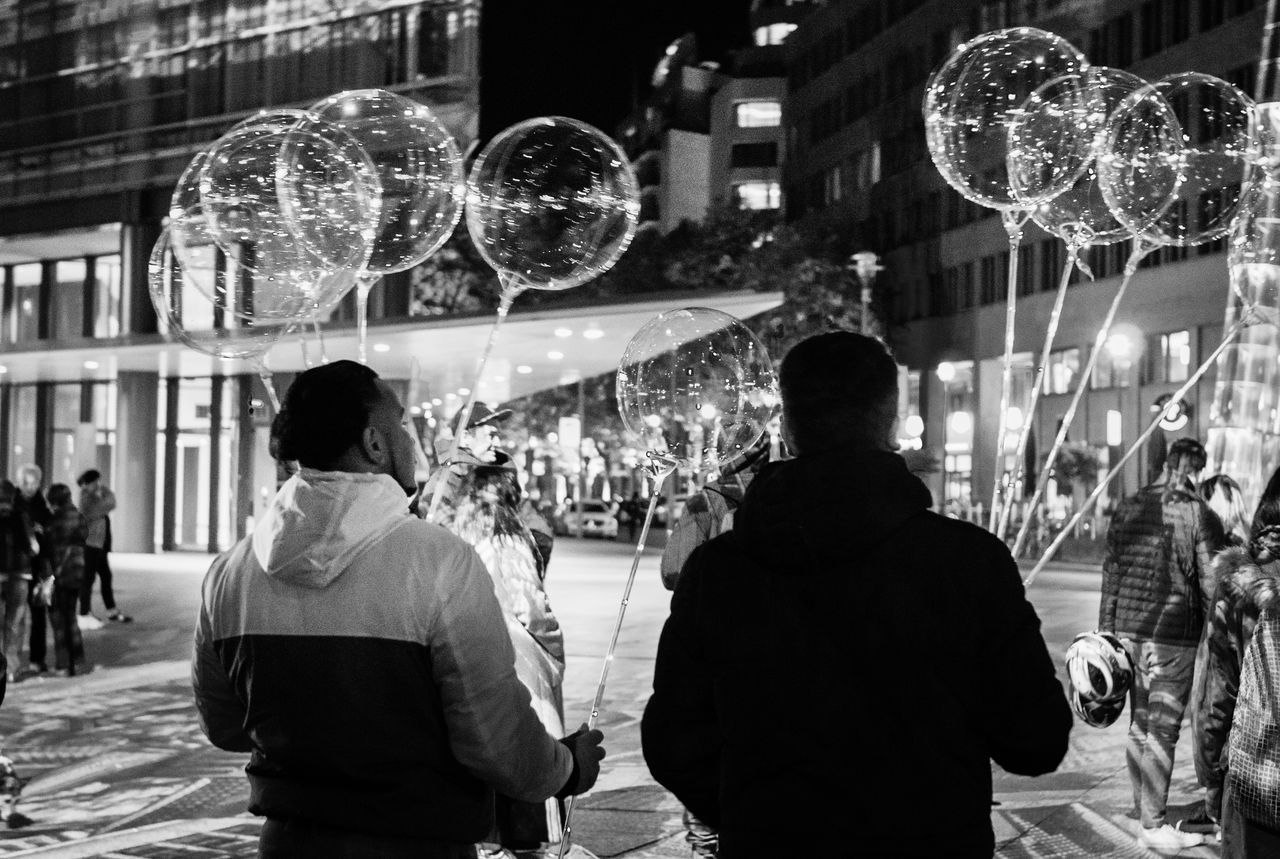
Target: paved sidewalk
(119, 768)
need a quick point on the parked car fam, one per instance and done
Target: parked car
(598, 519)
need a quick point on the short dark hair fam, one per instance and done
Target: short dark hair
(1268, 512)
(89, 477)
(324, 412)
(58, 494)
(839, 389)
(1186, 454)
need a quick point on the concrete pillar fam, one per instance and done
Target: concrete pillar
(137, 316)
(133, 525)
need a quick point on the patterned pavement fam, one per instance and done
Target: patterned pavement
(118, 766)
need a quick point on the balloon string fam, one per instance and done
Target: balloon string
(1151, 428)
(1140, 249)
(1264, 88)
(315, 324)
(364, 284)
(265, 375)
(1024, 432)
(657, 477)
(510, 290)
(1013, 221)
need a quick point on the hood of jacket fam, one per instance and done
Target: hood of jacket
(321, 521)
(812, 511)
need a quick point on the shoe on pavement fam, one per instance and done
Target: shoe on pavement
(1168, 838)
(119, 617)
(88, 621)
(1199, 822)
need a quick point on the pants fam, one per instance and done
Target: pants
(68, 645)
(701, 838)
(39, 638)
(1242, 839)
(96, 565)
(1161, 688)
(304, 839)
(14, 592)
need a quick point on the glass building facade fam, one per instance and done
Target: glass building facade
(102, 105)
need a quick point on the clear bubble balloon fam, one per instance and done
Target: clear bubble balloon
(552, 203)
(319, 210)
(1176, 157)
(186, 194)
(418, 165)
(186, 312)
(974, 97)
(1077, 104)
(697, 386)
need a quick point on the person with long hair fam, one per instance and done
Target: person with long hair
(1226, 499)
(1247, 586)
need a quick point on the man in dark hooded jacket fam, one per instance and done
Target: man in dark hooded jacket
(844, 650)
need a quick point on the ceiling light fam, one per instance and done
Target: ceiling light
(524, 369)
(436, 401)
(462, 392)
(555, 356)
(415, 410)
(3, 369)
(381, 347)
(564, 332)
(451, 396)
(593, 334)
(91, 365)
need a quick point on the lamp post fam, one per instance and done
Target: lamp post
(865, 264)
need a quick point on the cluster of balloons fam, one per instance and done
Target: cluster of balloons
(274, 223)
(1017, 120)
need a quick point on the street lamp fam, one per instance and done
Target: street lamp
(865, 265)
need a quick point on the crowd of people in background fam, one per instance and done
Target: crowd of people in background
(54, 546)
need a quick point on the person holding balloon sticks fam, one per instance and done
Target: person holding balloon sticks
(844, 649)
(482, 505)
(360, 656)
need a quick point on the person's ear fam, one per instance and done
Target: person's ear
(373, 446)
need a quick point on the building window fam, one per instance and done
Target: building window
(758, 114)
(832, 189)
(106, 296)
(773, 34)
(754, 154)
(1171, 362)
(25, 282)
(759, 195)
(1060, 375)
(66, 307)
(1114, 363)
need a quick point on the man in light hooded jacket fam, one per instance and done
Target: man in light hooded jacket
(359, 653)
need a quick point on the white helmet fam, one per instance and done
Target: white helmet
(1099, 674)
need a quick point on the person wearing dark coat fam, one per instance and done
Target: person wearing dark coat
(31, 501)
(844, 648)
(1155, 582)
(1248, 583)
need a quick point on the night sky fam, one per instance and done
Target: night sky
(586, 58)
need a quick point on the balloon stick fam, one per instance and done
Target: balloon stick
(364, 284)
(511, 288)
(659, 469)
(1013, 220)
(1230, 335)
(1024, 432)
(315, 324)
(1141, 248)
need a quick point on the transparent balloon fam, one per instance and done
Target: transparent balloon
(974, 97)
(186, 194)
(186, 312)
(418, 165)
(1077, 105)
(317, 213)
(552, 203)
(1176, 157)
(697, 387)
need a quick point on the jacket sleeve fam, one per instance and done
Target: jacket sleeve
(693, 529)
(493, 730)
(1030, 735)
(220, 710)
(1218, 706)
(679, 733)
(1210, 540)
(1110, 578)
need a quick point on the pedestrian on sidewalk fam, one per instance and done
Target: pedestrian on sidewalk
(96, 502)
(842, 642)
(17, 548)
(360, 656)
(1155, 581)
(31, 502)
(1248, 585)
(484, 509)
(66, 541)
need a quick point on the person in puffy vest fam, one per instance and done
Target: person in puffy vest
(1155, 582)
(17, 548)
